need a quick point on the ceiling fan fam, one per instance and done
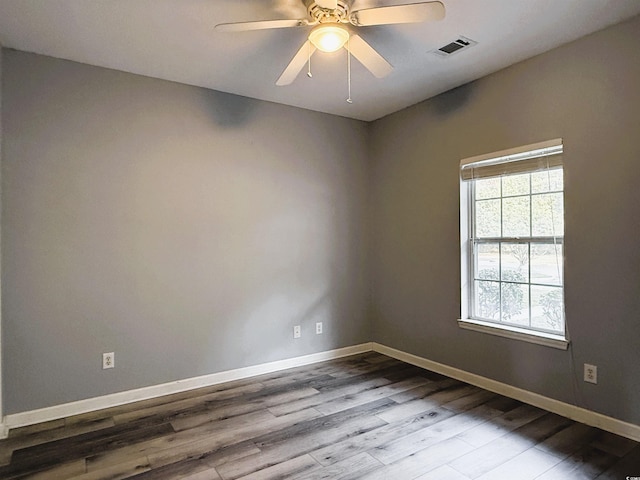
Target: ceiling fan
(329, 17)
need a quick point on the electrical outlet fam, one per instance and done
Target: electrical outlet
(296, 331)
(108, 360)
(590, 373)
(318, 328)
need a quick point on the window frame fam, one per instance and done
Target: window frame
(468, 245)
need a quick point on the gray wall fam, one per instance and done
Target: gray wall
(586, 92)
(183, 229)
(1, 352)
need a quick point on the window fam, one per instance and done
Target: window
(512, 234)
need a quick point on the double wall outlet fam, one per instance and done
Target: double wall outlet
(318, 328)
(108, 360)
(296, 331)
(590, 373)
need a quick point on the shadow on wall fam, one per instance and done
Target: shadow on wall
(453, 100)
(228, 110)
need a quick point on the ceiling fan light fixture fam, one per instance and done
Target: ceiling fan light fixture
(329, 38)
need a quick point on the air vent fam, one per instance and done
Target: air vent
(462, 43)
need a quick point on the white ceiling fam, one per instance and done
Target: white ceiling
(175, 40)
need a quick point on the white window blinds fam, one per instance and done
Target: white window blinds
(538, 156)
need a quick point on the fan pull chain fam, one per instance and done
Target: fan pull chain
(349, 100)
(309, 59)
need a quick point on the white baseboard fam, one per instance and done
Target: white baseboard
(112, 400)
(573, 412)
(579, 414)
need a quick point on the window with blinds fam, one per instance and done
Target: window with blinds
(514, 245)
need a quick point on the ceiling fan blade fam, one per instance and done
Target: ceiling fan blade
(332, 4)
(409, 13)
(297, 63)
(367, 56)
(260, 25)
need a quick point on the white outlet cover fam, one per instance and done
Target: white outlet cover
(318, 328)
(108, 360)
(590, 373)
(296, 331)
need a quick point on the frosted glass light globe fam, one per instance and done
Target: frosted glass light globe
(329, 38)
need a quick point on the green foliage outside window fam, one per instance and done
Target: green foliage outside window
(512, 297)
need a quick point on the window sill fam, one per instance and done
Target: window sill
(539, 338)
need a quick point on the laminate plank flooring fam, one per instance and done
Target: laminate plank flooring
(361, 417)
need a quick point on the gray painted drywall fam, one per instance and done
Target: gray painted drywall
(585, 92)
(185, 230)
(1, 352)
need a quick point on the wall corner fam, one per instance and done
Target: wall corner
(3, 429)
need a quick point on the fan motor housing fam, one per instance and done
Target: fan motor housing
(323, 15)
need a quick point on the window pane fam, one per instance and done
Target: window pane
(547, 181)
(516, 219)
(517, 269)
(515, 185)
(515, 262)
(547, 308)
(487, 261)
(488, 218)
(515, 303)
(547, 215)
(487, 188)
(487, 301)
(546, 264)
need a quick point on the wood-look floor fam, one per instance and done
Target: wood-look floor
(365, 416)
